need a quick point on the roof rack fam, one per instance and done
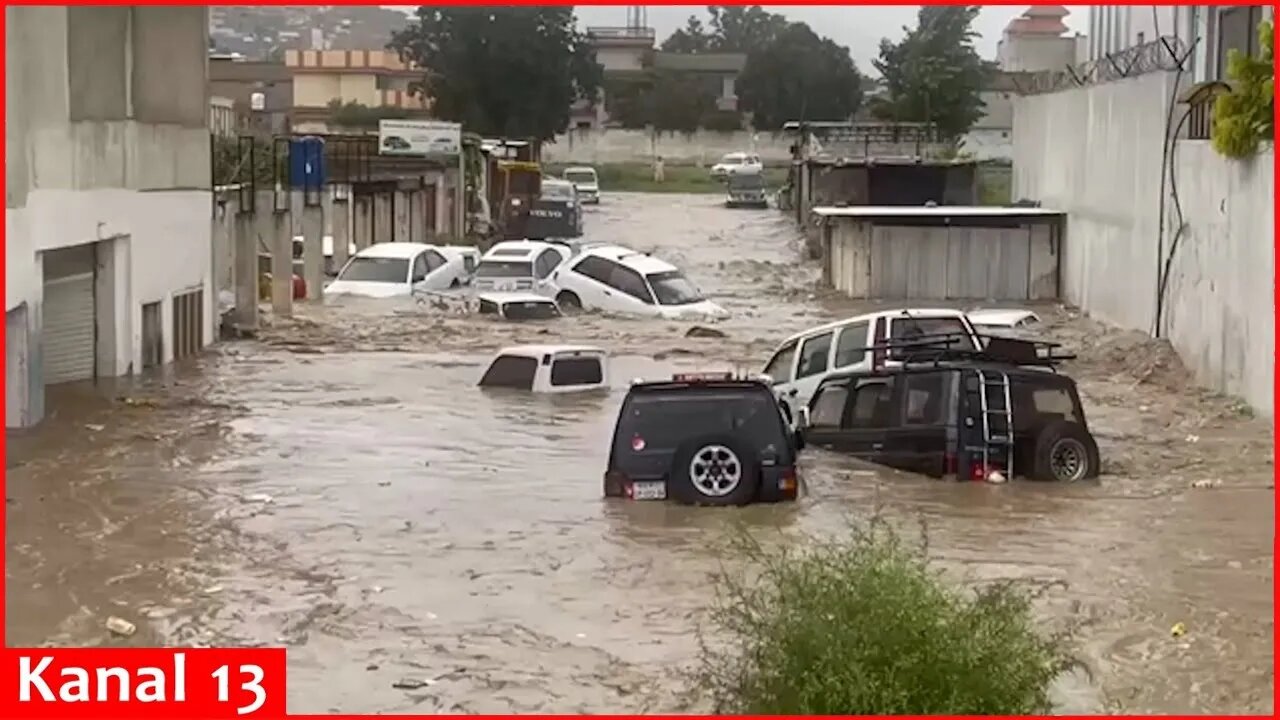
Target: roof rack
(938, 348)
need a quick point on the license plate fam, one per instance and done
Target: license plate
(653, 490)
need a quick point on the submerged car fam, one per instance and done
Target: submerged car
(746, 190)
(615, 279)
(401, 269)
(737, 163)
(586, 181)
(520, 265)
(803, 360)
(548, 369)
(702, 439)
(989, 414)
(518, 306)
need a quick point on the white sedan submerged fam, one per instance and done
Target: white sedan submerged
(400, 269)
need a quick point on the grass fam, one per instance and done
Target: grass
(638, 177)
(866, 627)
(995, 185)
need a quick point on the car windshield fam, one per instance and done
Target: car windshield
(732, 160)
(376, 269)
(557, 191)
(580, 176)
(907, 328)
(503, 269)
(673, 288)
(746, 182)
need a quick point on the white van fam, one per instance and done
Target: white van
(548, 369)
(804, 359)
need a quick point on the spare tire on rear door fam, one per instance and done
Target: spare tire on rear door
(1065, 452)
(714, 470)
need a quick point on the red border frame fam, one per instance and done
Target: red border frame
(7, 3)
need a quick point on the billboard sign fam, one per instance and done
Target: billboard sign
(419, 138)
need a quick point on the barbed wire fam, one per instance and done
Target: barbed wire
(1163, 54)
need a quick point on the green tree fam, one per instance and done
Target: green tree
(663, 99)
(692, 39)
(744, 28)
(799, 75)
(501, 70)
(1245, 116)
(934, 74)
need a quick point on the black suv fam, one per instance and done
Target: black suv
(703, 440)
(966, 414)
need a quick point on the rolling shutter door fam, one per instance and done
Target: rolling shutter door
(67, 335)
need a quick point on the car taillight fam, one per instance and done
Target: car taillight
(979, 472)
(789, 481)
(637, 443)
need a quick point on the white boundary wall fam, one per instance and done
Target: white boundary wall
(1095, 152)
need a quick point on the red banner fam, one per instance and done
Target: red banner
(142, 683)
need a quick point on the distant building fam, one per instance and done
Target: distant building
(372, 78)
(1036, 41)
(261, 91)
(1219, 29)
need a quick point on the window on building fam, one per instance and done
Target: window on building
(1237, 30)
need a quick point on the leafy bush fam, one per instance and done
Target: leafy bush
(1245, 117)
(866, 627)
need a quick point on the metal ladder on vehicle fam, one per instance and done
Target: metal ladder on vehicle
(997, 417)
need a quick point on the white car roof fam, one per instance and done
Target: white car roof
(580, 168)
(638, 261)
(528, 246)
(450, 251)
(922, 313)
(1002, 317)
(395, 250)
(537, 351)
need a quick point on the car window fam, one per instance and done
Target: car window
(828, 406)
(587, 178)
(435, 261)
(871, 404)
(576, 371)
(850, 348)
(673, 288)
(665, 420)
(630, 282)
(814, 354)
(779, 368)
(906, 328)
(511, 371)
(925, 399)
(375, 269)
(469, 263)
(754, 159)
(503, 269)
(548, 261)
(596, 268)
(731, 160)
(1035, 404)
(419, 268)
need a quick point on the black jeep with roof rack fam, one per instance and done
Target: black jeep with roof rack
(985, 414)
(703, 439)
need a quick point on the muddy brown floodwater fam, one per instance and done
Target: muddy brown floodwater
(340, 486)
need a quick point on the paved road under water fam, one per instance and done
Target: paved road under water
(340, 486)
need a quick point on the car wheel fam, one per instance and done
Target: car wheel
(714, 470)
(1066, 452)
(568, 301)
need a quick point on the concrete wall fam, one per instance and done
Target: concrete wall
(87, 165)
(1095, 153)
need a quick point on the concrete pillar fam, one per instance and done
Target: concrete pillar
(313, 251)
(281, 264)
(400, 209)
(418, 216)
(341, 224)
(362, 221)
(442, 216)
(382, 219)
(245, 274)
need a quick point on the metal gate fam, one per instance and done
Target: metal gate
(68, 333)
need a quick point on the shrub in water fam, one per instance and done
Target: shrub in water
(866, 627)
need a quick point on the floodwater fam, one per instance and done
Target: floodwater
(340, 486)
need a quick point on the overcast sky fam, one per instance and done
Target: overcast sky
(858, 28)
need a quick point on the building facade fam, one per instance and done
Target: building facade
(1218, 29)
(107, 207)
(375, 79)
(1038, 40)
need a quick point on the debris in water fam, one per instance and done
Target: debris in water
(704, 332)
(1178, 630)
(371, 667)
(263, 498)
(996, 477)
(384, 483)
(1193, 439)
(121, 627)
(213, 590)
(410, 684)
(96, 428)
(1206, 483)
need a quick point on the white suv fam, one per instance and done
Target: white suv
(519, 265)
(620, 280)
(737, 163)
(804, 359)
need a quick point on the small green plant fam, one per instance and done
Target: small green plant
(867, 627)
(1244, 117)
